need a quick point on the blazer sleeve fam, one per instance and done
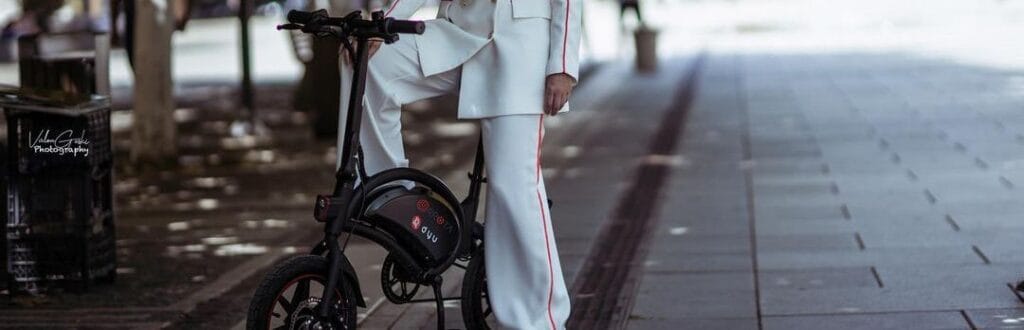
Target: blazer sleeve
(566, 29)
(402, 9)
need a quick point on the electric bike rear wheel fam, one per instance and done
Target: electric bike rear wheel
(476, 304)
(288, 298)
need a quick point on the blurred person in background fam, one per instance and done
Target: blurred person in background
(39, 12)
(630, 4)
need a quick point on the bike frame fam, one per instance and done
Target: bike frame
(352, 168)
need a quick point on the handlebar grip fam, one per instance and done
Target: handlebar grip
(299, 17)
(403, 26)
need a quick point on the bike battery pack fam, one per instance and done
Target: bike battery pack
(418, 219)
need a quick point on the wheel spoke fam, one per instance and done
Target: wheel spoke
(488, 300)
(288, 306)
(301, 292)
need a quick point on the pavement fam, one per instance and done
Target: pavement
(779, 171)
(854, 190)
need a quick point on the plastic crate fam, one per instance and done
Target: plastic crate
(44, 137)
(60, 228)
(60, 220)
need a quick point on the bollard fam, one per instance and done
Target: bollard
(646, 49)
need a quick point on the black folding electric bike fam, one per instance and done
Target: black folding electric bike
(412, 214)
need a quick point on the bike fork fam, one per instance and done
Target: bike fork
(439, 300)
(334, 276)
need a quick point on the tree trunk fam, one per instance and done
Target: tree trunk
(153, 129)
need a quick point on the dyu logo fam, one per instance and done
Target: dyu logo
(430, 234)
(417, 225)
(425, 206)
(60, 143)
(416, 222)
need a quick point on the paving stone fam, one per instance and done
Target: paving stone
(699, 295)
(987, 221)
(797, 212)
(813, 279)
(786, 200)
(869, 257)
(910, 320)
(806, 242)
(1005, 318)
(806, 227)
(678, 262)
(811, 167)
(952, 278)
(693, 243)
(936, 233)
(878, 300)
(792, 185)
(692, 323)
(915, 211)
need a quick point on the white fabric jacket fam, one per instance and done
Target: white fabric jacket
(506, 49)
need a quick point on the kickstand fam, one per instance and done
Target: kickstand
(439, 300)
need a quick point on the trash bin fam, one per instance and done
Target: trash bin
(646, 49)
(60, 220)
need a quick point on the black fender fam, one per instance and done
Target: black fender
(346, 269)
(353, 280)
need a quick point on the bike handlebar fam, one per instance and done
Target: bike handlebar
(404, 26)
(299, 17)
(356, 24)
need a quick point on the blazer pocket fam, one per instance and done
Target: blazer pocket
(531, 8)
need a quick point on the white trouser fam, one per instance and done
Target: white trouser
(524, 276)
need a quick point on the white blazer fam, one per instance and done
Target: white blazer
(505, 54)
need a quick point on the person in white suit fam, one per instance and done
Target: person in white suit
(512, 62)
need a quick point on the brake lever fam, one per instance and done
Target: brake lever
(289, 26)
(328, 31)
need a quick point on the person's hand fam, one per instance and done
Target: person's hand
(557, 89)
(374, 45)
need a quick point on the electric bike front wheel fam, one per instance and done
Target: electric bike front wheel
(288, 298)
(476, 304)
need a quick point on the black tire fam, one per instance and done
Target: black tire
(476, 308)
(306, 269)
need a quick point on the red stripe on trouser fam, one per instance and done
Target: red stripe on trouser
(565, 37)
(393, 5)
(544, 219)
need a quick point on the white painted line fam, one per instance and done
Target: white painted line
(365, 315)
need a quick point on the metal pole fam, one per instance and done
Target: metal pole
(244, 10)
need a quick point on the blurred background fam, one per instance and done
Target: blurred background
(780, 164)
